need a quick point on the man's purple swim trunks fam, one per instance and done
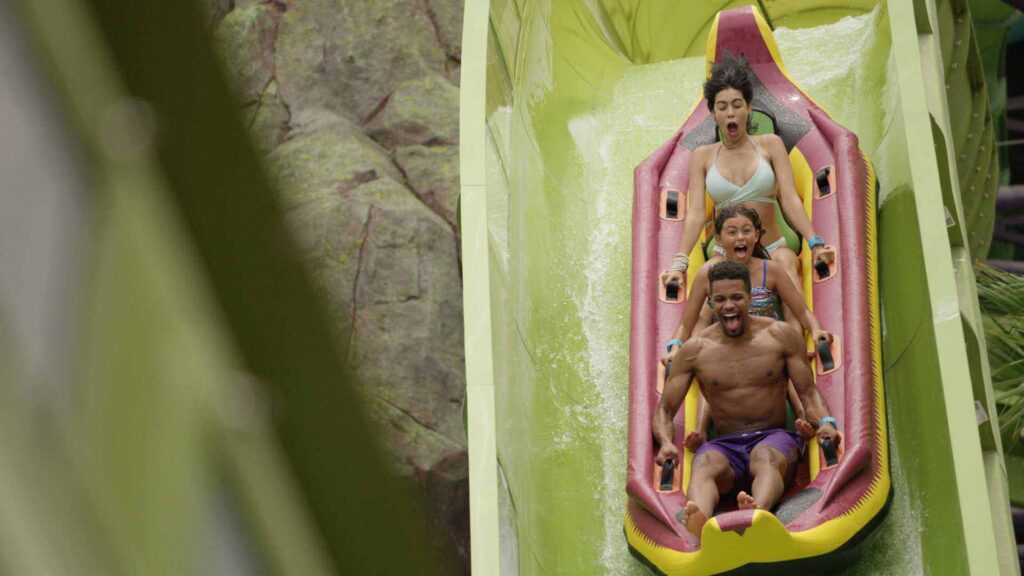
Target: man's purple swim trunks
(737, 448)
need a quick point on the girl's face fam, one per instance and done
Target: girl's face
(731, 113)
(738, 237)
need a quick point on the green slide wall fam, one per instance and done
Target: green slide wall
(561, 100)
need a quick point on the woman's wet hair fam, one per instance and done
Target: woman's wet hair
(732, 211)
(729, 72)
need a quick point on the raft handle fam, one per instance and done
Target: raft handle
(672, 290)
(825, 354)
(822, 268)
(667, 475)
(670, 207)
(825, 271)
(670, 293)
(672, 204)
(822, 179)
(828, 448)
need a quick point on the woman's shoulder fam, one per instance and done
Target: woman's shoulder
(704, 149)
(768, 140)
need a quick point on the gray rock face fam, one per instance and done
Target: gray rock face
(268, 119)
(420, 111)
(354, 104)
(446, 16)
(389, 266)
(330, 161)
(433, 173)
(407, 339)
(246, 38)
(346, 55)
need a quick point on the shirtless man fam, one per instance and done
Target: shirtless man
(742, 364)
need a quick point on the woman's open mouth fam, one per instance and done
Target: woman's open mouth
(732, 128)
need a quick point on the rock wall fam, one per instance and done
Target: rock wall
(355, 104)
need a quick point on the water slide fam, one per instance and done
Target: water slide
(561, 100)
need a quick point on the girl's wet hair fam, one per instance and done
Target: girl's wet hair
(732, 211)
(729, 72)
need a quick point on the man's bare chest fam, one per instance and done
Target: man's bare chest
(721, 369)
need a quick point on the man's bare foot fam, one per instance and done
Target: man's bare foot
(745, 501)
(694, 518)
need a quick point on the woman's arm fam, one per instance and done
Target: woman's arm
(693, 219)
(789, 201)
(691, 309)
(780, 281)
(694, 304)
(704, 320)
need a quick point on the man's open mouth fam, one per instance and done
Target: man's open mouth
(731, 322)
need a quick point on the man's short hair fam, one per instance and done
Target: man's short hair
(728, 271)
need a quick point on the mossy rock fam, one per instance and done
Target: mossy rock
(333, 160)
(433, 172)
(421, 111)
(347, 56)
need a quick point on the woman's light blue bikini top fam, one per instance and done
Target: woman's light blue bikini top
(760, 187)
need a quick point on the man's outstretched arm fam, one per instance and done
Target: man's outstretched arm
(678, 384)
(800, 374)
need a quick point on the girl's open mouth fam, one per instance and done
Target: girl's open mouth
(740, 251)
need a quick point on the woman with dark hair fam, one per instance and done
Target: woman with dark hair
(759, 163)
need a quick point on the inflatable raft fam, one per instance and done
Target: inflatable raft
(835, 505)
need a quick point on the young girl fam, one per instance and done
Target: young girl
(738, 231)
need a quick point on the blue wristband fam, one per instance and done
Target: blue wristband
(675, 341)
(815, 241)
(829, 420)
